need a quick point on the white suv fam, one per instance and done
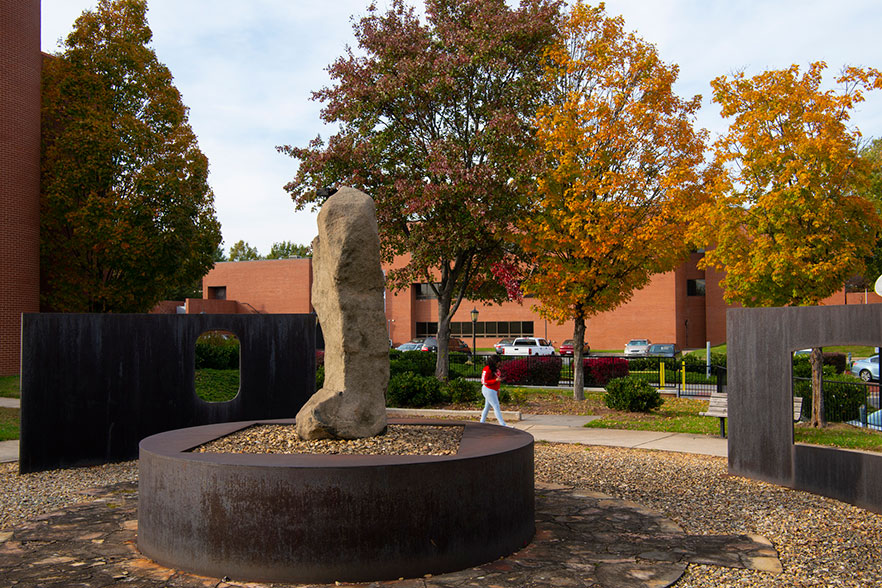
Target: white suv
(529, 346)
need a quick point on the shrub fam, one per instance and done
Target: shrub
(416, 362)
(802, 367)
(838, 360)
(461, 391)
(215, 352)
(632, 395)
(319, 358)
(457, 357)
(600, 370)
(843, 396)
(410, 390)
(700, 359)
(535, 371)
(517, 395)
(645, 364)
(319, 377)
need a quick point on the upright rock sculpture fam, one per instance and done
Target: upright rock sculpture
(347, 294)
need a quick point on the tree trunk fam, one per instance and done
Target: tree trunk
(816, 359)
(442, 363)
(578, 367)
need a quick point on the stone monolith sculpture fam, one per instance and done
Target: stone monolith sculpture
(347, 294)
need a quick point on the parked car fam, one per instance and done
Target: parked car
(566, 348)
(502, 343)
(412, 345)
(663, 350)
(637, 347)
(529, 346)
(866, 369)
(454, 345)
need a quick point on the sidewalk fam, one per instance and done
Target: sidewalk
(571, 429)
(9, 449)
(551, 428)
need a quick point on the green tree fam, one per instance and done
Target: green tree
(789, 219)
(623, 167)
(219, 254)
(286, 249)
(242, 251)
(434, 122)
(126, 211)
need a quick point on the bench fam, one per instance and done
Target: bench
(719, 407)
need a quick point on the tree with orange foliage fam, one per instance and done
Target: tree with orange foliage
(623, 163)
(788, 216)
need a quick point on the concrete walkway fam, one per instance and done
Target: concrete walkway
(551, 428)
(9, 449)
(571, 429)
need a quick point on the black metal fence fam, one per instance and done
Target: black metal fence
(855, 403)
(672, 376)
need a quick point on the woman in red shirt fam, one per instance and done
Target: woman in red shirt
(490, 389)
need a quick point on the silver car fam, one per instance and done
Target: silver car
(866, 369)
(637, 347)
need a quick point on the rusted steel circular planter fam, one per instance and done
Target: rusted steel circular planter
(324, 518)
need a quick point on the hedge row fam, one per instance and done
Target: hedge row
(410, 390)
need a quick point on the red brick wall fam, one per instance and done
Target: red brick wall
(20, 63)
(275, 286)
(650, 313)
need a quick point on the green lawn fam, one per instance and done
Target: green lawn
(217, 385)
(10, 387)
(9, 423)
(680, 415)
(857, 351)
(676, 415)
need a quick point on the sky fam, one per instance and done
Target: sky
(246, 71)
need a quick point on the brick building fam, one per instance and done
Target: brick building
(684, 306)
(20, 65)
(672, 308)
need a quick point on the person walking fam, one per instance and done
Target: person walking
(490, 383)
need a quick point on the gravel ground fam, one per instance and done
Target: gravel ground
(25, 497)
(398, 440)
(821, 542)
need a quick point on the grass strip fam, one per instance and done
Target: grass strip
(9, 423)
(10, 387)
(217, 385)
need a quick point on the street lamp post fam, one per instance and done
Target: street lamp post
(474, 314)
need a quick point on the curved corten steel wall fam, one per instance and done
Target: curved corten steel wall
(760, 343)
(323, 518)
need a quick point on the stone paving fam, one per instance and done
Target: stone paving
(582, 539)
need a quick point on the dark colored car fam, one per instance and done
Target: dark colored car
(663, 350)
(566, 348)
(454, 345)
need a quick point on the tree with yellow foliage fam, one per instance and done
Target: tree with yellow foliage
(623, 165)
(788, 217)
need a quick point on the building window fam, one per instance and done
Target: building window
(217, 292)
(695, 287)
(424, 291)
(482, 329)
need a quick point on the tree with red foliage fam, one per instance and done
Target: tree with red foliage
(434, 122)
